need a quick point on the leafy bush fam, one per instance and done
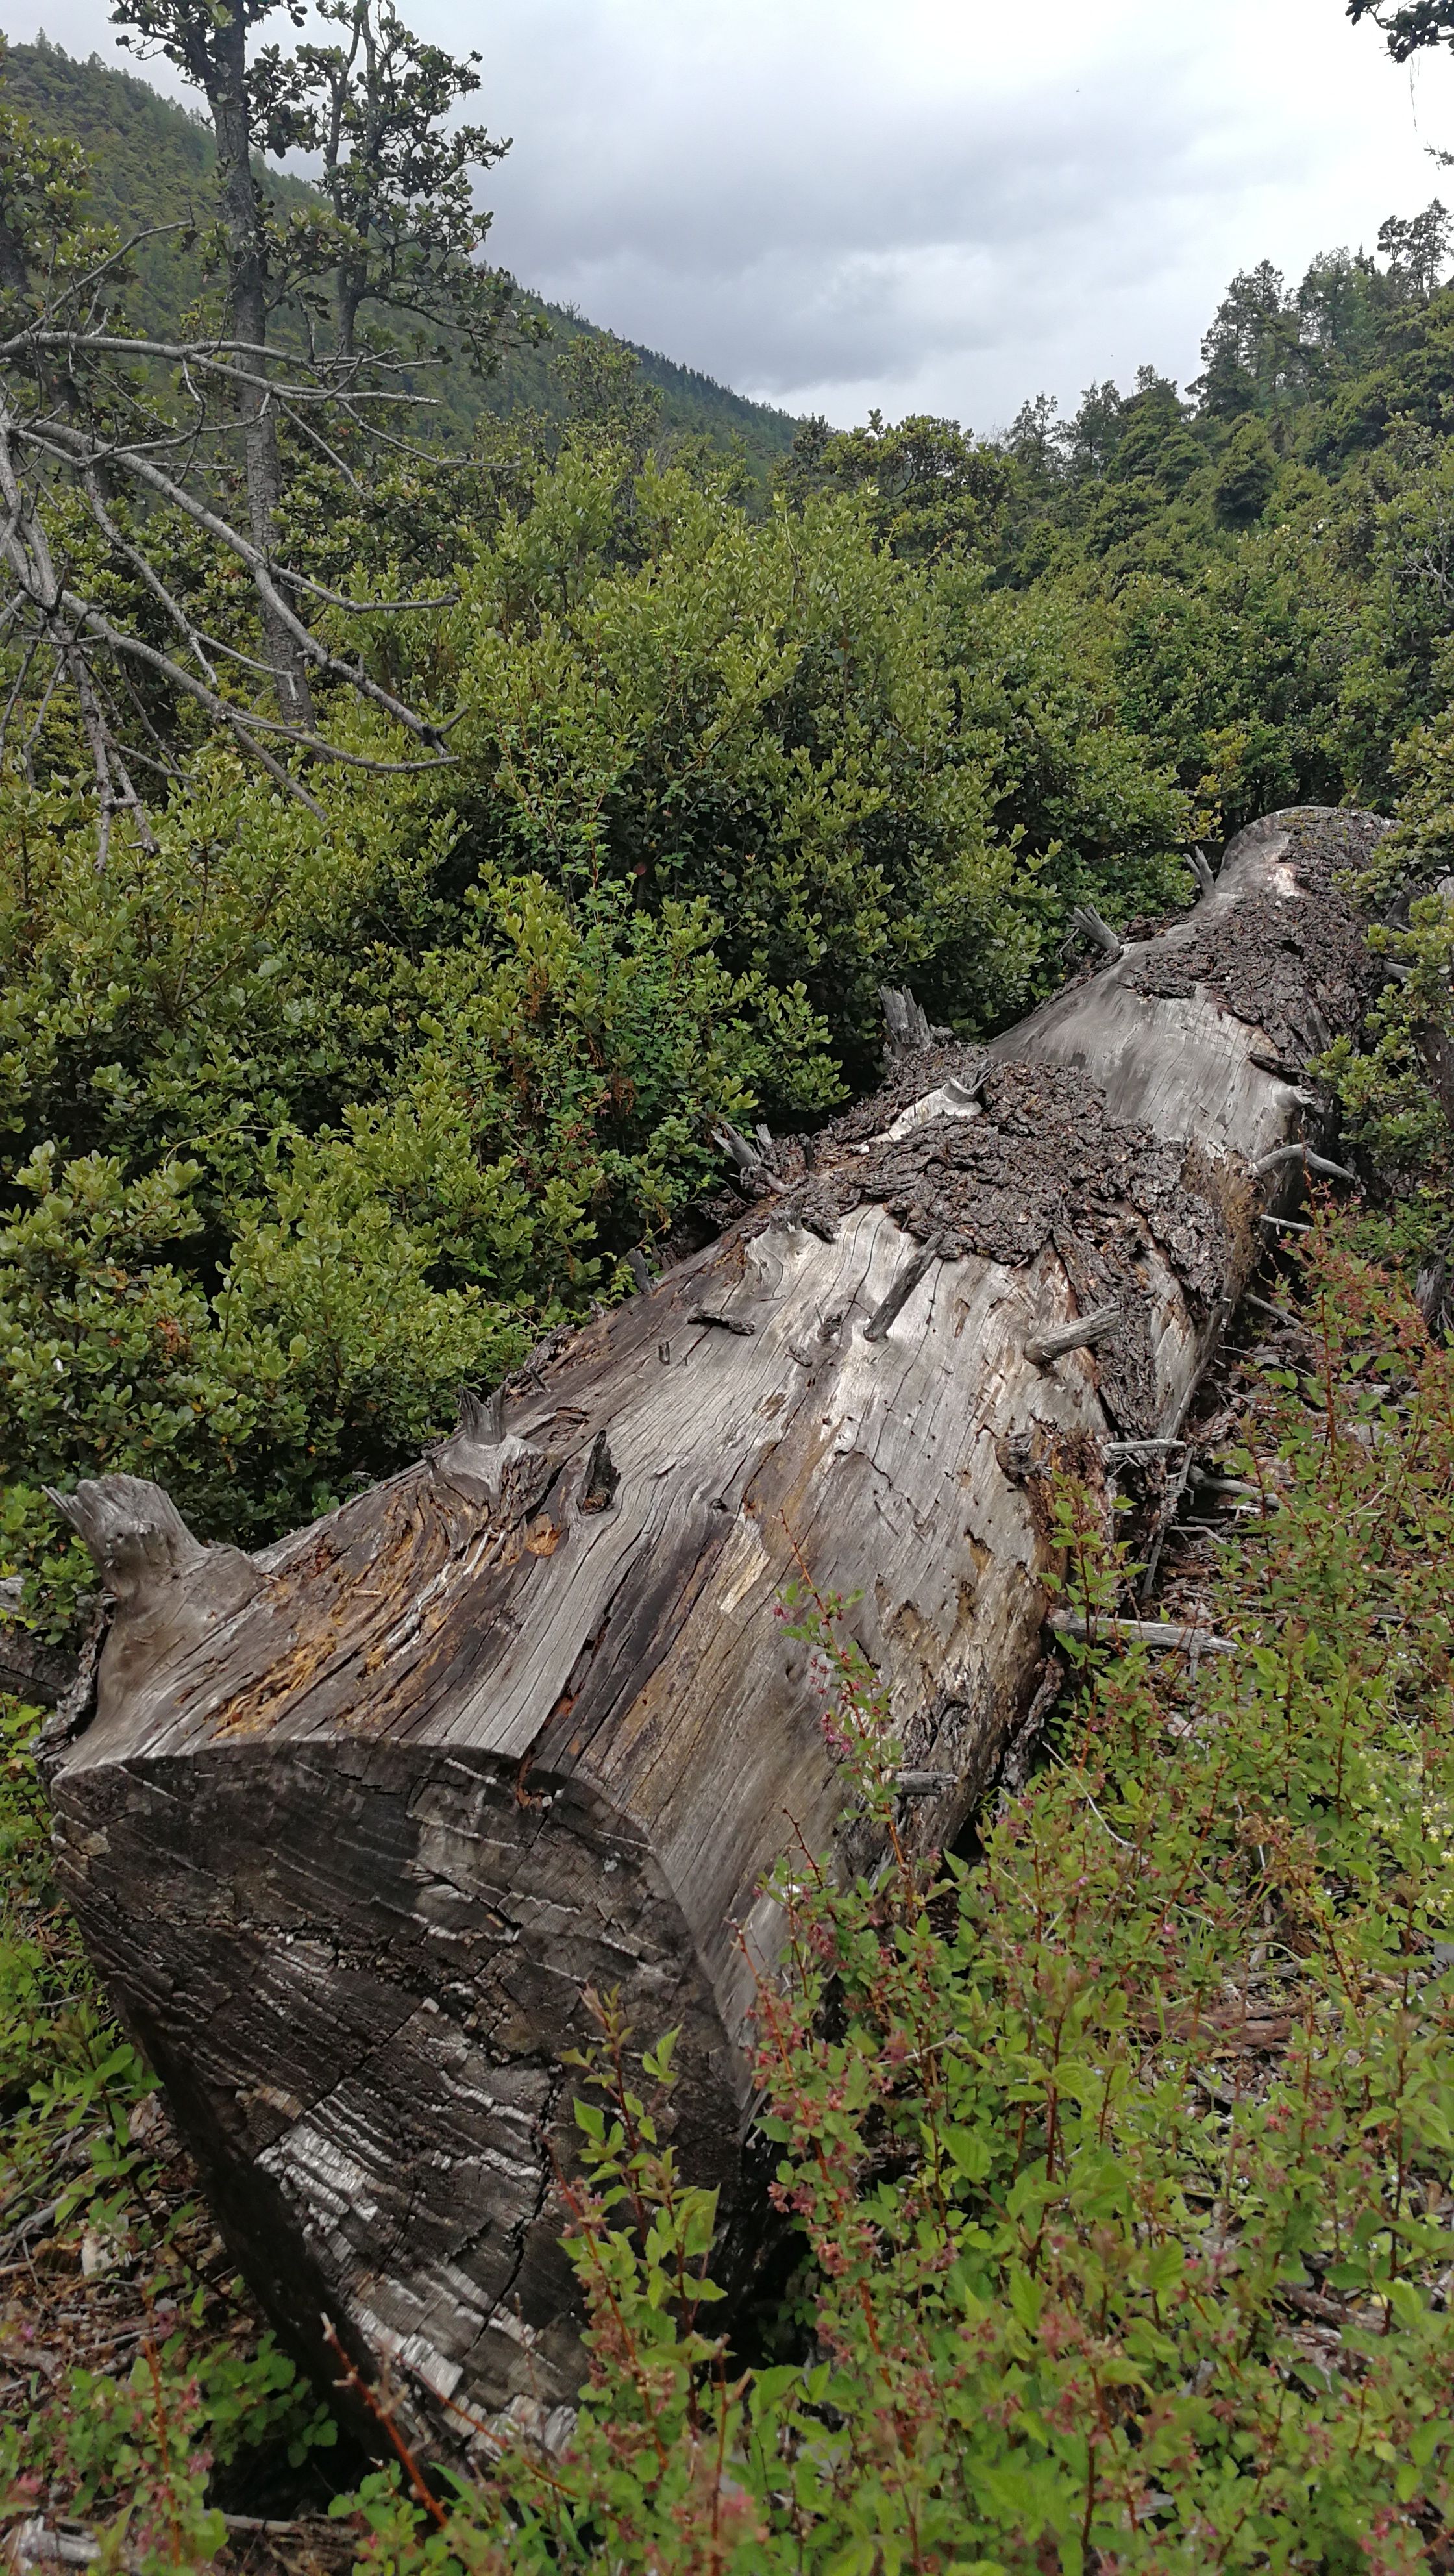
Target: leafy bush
(312, 1112)
(1123, 2159)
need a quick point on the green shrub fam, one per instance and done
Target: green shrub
(310, 1113)
(1123, 2160)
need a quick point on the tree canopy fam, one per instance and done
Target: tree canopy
(1408, 25)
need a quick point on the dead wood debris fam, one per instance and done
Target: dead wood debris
(77, 2297)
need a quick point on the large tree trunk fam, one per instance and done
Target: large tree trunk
(356, 1821)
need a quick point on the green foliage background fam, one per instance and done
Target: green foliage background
(312, 1110)
(308, 1116)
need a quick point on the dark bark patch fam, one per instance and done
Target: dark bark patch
(1300, 971)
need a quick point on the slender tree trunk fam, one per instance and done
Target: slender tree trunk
(351, 1826)
(228, 96)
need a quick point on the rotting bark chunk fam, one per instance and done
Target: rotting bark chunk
(351, 1826)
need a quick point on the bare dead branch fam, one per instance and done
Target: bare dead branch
(1300, 1153)
(1087, 920)
(1159, 1634)
(74, 449)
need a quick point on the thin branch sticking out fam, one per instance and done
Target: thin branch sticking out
(1300, 1153)
(748, 1158)
(1160, 1634)
(902, 1290)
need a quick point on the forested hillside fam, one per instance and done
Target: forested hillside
(152, 164)
(432, 847)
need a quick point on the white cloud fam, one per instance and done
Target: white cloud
(945, 204)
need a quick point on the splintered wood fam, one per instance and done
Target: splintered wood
(353, 1824)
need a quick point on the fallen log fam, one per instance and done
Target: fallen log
(351, 1825)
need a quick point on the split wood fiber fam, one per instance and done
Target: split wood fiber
(350, 1825)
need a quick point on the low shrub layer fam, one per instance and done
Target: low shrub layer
(1122, 2157)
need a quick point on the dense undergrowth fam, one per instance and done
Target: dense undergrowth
(1119, 2153)
(336, 1087)
(1122, 2155)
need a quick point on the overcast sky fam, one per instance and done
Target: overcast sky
(928, 205)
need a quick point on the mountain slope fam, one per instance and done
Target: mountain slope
(151, 166)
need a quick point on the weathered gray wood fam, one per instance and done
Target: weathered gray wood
(1083, 1335)
(353, 1824)
(1088, 922)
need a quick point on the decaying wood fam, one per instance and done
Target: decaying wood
(352, 1825)
(1088, 922)
(1163, 1636)
(1083, 1335)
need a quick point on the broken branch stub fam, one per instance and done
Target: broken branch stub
(354, 1826)
(1088, 922)
(1082, 1335)
(906, 1024)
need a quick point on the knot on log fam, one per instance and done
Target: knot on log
(488, 1464)
(142, 1547)
(602, 1476)
(1022, 1454)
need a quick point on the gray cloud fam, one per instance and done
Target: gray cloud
(834, 204)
